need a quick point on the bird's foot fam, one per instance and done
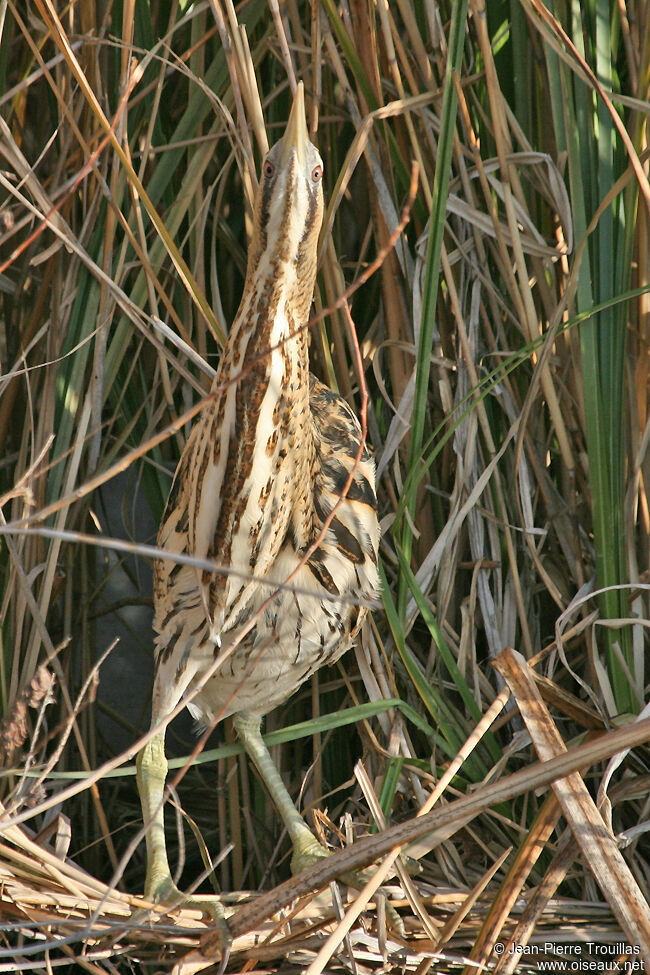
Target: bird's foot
(165, 893)
(307, 851)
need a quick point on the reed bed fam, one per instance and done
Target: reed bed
(486, 244)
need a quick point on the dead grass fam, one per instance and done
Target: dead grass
(129, 157)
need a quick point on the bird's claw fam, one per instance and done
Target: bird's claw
(309, 851)
(306, 852)
(218, 938)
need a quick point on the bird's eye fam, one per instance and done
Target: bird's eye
(317, 173)
(268, 169)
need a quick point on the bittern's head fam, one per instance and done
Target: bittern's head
(289, 203)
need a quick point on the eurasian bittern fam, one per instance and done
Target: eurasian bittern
(264, 466)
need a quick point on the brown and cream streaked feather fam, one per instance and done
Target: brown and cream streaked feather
(264, 466)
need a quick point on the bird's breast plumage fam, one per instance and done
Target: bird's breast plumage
(275, 510)
(265, 465)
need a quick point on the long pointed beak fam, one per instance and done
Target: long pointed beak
(296, 135)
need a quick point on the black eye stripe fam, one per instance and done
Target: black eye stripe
(310, 217)
(267, 189)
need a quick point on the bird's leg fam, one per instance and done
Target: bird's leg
(306, 848)
(151, 772)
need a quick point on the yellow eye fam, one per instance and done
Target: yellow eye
(268, 169)
(317, 173)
